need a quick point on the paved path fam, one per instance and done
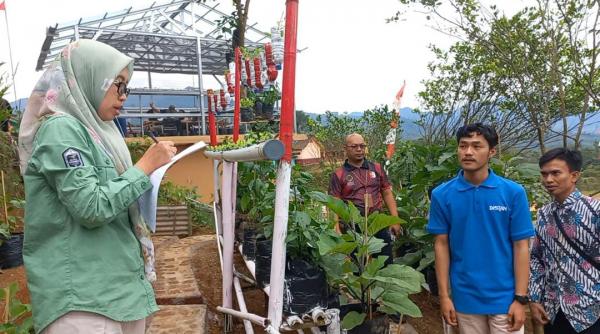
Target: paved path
(182, 305)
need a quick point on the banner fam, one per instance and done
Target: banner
(390, 139)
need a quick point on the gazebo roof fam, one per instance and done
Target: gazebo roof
(161, 38)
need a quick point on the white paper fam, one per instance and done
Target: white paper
(148, 201)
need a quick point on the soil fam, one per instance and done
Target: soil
(206, 256)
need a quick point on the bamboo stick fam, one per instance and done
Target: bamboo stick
(4, 200)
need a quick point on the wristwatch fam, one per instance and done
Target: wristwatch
(523, 300)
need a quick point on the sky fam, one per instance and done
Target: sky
(353, 59)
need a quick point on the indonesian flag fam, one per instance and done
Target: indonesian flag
(2, 6)
(399, 96)
(390, 139)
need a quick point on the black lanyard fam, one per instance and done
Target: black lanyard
(572, 243)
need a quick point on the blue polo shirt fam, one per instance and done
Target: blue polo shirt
(481, 222)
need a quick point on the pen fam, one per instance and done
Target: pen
(153, 138)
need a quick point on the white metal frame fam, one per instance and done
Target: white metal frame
(224, 211)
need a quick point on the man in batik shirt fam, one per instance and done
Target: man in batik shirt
(565, 256)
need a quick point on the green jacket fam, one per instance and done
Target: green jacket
(80, 251)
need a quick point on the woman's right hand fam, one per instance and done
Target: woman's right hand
(156, 156)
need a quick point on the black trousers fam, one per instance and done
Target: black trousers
(562, 326)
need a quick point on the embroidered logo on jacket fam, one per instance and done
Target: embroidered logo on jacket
(72, 158)
(498, 208)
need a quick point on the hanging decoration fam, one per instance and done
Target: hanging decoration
(244, 74)
(212, 121)
(271, 67)
(248, 72)
(222, 100)
(257, 73)
(216, 101)
(228, 81)
(278, 45)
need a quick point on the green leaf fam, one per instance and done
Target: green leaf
(302, 218)
(339, 208)
(375, 245)
(325, 244)
(409, 258)
(319, 196)
(379, 221)
(427, 260)
(377, 292)
(344, 247)
(401, 278)
(354, 214)
(375, 264)
(245, 202)
(353, 319)
(400, 303)
(445, 156)
(18, 310)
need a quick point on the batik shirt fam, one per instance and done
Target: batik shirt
(562, 279)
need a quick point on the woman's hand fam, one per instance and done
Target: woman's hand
(156, 156)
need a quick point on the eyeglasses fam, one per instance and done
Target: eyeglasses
(121, 88)
(357, 146)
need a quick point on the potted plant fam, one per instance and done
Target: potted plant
(305, 279)
(370, 289)
(246, 109)
(256, 192)
(268, 98)
(11, 236)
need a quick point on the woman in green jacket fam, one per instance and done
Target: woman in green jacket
(87, 251)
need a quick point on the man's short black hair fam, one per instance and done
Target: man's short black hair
(488, 132)
(571, 157)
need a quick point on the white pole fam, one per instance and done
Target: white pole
(242, 303)
(282, 198)
(12, 69)
(334, 325)
(269, 150)
(217, 203)
(200, 70)
(248, 316)
(228, 239)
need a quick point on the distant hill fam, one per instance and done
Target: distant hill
(591, 129)
(410, 130)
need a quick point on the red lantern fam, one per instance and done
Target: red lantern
(223, 102)
(248, 73)
(271, 67)
(228, 80)
(212, 122)
(216, 100)
(257, 73)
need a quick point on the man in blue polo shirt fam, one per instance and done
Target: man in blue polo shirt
(482, 226)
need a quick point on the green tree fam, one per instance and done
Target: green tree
(536, 66)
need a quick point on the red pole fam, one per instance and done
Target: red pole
(236, 110)
(212, 122)
(286, 126)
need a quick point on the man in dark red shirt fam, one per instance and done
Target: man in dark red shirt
(365, 184)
